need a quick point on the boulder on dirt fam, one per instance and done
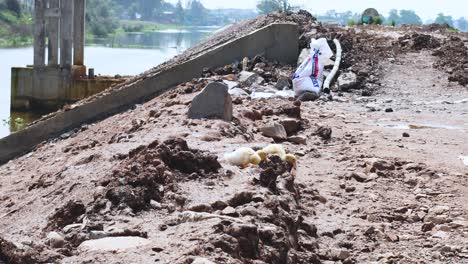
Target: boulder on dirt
(373, 165)
(282, 83)
(348, 81)
(247, 78)
(214, 102)
(55, 240)
(292, 126)
(275, 131)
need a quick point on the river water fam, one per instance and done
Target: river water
(129, 54)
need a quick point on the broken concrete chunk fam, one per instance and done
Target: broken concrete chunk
(292, 126)
(282, 83)
(348, 81)
(275, 131)
(199, 260)
(214, 102)
(298, 140)
(248, 78)
(55, 240)
(373, 165)
(238, 92)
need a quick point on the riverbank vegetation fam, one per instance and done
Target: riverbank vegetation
(106, 18)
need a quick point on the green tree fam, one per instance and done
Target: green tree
(270, 6)
(100, 17)
(409, 17)
(14, 6)
(179, 12)
(393, 17)
(462, 24)
(442, 19)
(196, 13)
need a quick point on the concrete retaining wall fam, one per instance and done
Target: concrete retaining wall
(276, 42)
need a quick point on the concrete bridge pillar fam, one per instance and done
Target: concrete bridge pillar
(53, 21)
(39, 33)
(66, 33)
(78, 32)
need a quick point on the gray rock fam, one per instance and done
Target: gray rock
(292, 126)
(348, 81)
(238, 92)
(298, 140)
(248, 78)
(231, 84)
(275, 131)
(55, 240)
(282, 83)
(373, 165)
(214, 102)
(200, 260)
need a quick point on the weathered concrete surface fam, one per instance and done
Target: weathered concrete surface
(276, 42)
(50, 91)
(214, 102)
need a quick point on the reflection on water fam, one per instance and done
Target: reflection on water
(129, 54)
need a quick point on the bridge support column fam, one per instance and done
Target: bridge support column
(66, 33)
(53, 21)
(39, 33)
(78, 32)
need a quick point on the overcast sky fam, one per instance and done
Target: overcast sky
(426, 9)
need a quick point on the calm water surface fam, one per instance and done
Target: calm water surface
(107, 56)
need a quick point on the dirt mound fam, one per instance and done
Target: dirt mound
(418, 42)
(150, 170)
(453, 59)
(67, 214)
(276, 232)
(13, 254)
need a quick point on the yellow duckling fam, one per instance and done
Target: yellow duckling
(242, 157)
(263, 155)
(275, 149)
(291, 159)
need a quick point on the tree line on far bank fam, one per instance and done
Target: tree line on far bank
(105, 17)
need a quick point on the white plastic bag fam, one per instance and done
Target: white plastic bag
(309, 76)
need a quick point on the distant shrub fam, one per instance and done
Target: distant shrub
(378, 20)
(351, 22)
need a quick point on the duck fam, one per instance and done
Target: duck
(278, 150)
(242, 157)
(275, 149)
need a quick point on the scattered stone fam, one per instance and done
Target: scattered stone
(348, 81)
(214, 102)
(230, 211)
(114, 244)
(253, 115)
(427, 227)
(282, 83)
(201, 208)
(238, 92)
(406, 135)
(324, 132)
(275, 131)
(373, 165)
(338, 254)
(438, 210)
(248, 78)
(199, 260)
(388, 110)
(298, 140)
(292, 126)
(392, 237)
(55, 240)
(359, 177)
(66, 215)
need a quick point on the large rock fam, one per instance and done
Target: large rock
(214, 102)
(348, 81)
(247, 78)
(275, 131)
